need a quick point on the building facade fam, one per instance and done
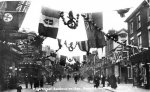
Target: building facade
(116, 58)
(139, 35)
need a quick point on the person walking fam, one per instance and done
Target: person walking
(96, 81)
(26, 81)
(103, 80)
(113, 81)
(31, 80)
(41, 81)
(118, 79)
(60, 77)
(52, 79)
(68, 76)
(76, 78)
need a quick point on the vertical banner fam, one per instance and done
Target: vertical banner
(13, 14)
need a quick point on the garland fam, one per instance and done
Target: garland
(70, 48)
(70, 60)
(72, 22)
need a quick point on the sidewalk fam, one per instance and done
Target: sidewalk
(124, 88)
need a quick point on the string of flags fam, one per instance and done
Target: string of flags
(12, 14)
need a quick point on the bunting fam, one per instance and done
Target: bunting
(83, 46)
(93, 24)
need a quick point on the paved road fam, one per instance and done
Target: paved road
(65, 86)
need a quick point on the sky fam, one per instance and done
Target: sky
(111, 19)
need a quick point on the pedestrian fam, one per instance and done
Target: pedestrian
(60, 77)
(19, 88)
(113, 81)
(52, 80)
(76, 78)
(31, 80)
(108, 80)
(68, 76)
(41, 81)
(118, 79)
(96, 81)
(103, 80)
(26, 81)
(36, 82)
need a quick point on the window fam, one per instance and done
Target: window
(149, 36)
(131, 41)
(140, 41)
(138, 21)
(130, 73)
(131, 27)
(148, 16)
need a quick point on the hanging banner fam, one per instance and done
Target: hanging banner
(49, 22)
(13, 13)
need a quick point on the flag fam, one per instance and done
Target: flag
(83, 45)
(11, 20)
(13, 13)
(62, 60)
(49, 22)
(59, 43)
(100, 39)
(122, 12)
(95, 37)
(98, 19)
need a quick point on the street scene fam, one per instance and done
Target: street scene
(63, 46)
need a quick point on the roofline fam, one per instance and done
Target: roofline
(123, 29)
(144, 2)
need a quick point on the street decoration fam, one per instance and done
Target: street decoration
(70, 47)
(69, 59)
(72, 22)
(122, 12)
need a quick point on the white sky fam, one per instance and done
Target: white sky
(111, 20)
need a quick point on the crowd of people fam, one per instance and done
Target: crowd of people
(110, 80)
(97, 80)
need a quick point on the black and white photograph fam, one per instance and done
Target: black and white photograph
(74, 46)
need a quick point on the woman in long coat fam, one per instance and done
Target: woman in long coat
(113, 82)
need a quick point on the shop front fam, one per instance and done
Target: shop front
(141, 69)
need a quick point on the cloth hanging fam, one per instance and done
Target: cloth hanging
(49, 22)
(13, 13)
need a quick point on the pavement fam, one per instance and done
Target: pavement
(123, 88)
